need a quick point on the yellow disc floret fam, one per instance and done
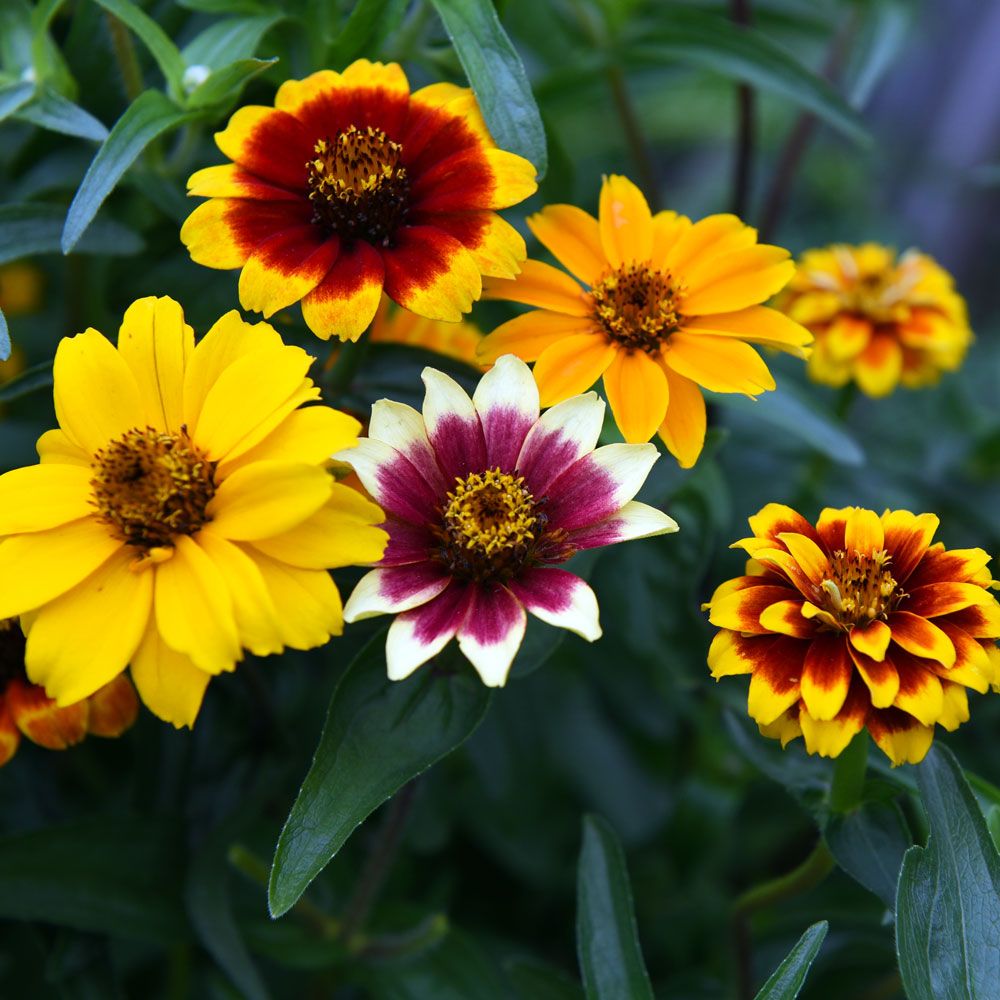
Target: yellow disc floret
(636, 306)
(860, 587)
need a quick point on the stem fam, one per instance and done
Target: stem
(128, 62)
(634, 136)
(849, 775)
(745, 125)
(377, 866)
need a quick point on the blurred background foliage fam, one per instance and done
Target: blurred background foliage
(138, 867)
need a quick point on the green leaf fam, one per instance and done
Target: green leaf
(948, 900)
(35, 228)
(50, 110)
(791, 410)
(607, 939)
(534, 980)
(497, 77)
(787, 979)
(869, 845)
(4, 340)
(378, 735)
(227, 84)
(113, 876)
(14, 96)
(32, 379)
(993, 824)
(150, 115)
(370, 21)
(156, 40)
(224, 42)
(710, 42)
(881, 38)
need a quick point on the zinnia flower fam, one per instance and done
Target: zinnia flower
(351, 185)
(878, 319)
(858, 622)
(182, 512)
(25, 709)
(483, 500)
(666, 307)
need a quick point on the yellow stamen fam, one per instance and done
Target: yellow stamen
(637, 307)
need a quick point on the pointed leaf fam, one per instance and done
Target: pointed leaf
(227, 84)
(787, 979)
(378, 735)
(368, 24)
(948, 901)
(35, 228)
(50, 110)
(497, 77)
(14, 96)
(607, 939)
(226, 41)
(156, 40)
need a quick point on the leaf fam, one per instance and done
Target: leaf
(884, 31)
(607, 940)
(227, 83)
(497, 77)
(789, 409)
(50, 110)
(869, 845)
(711, 42)
(32, 379)
(35, 228)
(948, 900)
(787, 979)
(113, 876)
(378, 735)
(534, 980)
(368, 24)
(4, 340)
(14, 96)
(150, 115)
(156, 40)
(225, 41)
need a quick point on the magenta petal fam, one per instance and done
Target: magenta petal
(492, 632)
(403, 491)
(415, 636)
(546, 589)
(401, 582)
(408, 543)
(584, 494)
(544, 457)
(504, 428)
(459, 445)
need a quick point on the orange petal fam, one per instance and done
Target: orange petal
(900, 736)
(941, 566)
(10, 735)
(846, 337)
(813, 561)
(774, 684)
(718, 364)
(881, 678)
(826, 676)
(756, 325)
(907, 538)
(731, 653)
(530, 334)
(573, 237)
(543, 286)
(741, 611)
(877, 370)
(572, 366)
(683, 428)
(41, 720)
(774, 518)
(829, 738)
(871, 639)
(637, 392)
(863, 532)
(668, 228)
(113, 708)
(705, 238)
(921, 638)
(343, 304)
(625, 222)
(936, 599)
(785, 617)
(739, 279)
(920, 692)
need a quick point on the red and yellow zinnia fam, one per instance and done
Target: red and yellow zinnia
(858, 622)
(878, 319)
(351, 185)
(660, 306)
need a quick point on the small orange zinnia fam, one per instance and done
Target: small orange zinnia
(878, 319)
(858, 622)
(26, 710)
(350, 185)
(668, 307)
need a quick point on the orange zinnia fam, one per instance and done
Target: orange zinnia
(351, 185)
(857, 623)
(878, 320)
(670, 307)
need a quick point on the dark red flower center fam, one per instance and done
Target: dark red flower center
(636, 307)
(861, 587)
(151, 486)
(358, 187)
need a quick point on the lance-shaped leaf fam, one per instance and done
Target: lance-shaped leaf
(156, 40)
(787, 979)
(607, 940)
(948, 900)
(378, 735)
(497, 77)
(50, 110)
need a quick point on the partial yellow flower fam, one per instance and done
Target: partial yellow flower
(661, 307)
(351, 185)
(182, 512)
(878, 319)
(20, 288)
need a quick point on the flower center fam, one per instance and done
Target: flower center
(860, 587)
(11, 652)
(637, 307)
(357, 186)
(152, 486)
(489, 526)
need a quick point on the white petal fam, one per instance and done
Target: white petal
(395, 589)
(562, 435)
(492, 633)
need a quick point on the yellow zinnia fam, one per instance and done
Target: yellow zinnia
(879, 320)
(669, 307)
(182, 512)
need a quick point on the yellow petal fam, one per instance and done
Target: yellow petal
(530, 334)
(58, 448)
(863, 532)
(169, 684)
(543, 286)
(572, 365)
(39, 497)
(307, 601)
(718, 364)
(740, 279)
(637, 392)
(625, 222)
(683, 428)
(668, 228)
(756, 325)
(705, 238)
(573, 237)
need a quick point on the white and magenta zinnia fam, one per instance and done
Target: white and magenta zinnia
(483, 499)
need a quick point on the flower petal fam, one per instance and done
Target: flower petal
(731, 653)
(311, 435)
(530, 334)
(453, 426)
(920, 693)
(559, 598)
(900, 736)
(785, 617)
(863, 532)
(830, 738)
(495, 246)
(544, 286)
(940, 566)
(638, 393)
(755, 325)
(402, 428)
(634, 520)
(936, 599)
(718, 364)
(573, 237)
(572, 365)
(269, 143)
(39, 497)
(113, 708)
(415, 636)
(739, 279)
(878, 368)
(880, 677)
(392, 480)
(826, 676)
(775, 681)
(307, 602)
(907, 538)
(683, 428)
(812, 560)
(704, 239)
(43, 721)
(741, 610)
(626, 224)
(391, 590)
(871, 639)
(921, 638)
(492, 631)
(506, 400)
(169, 684)
(344, 303)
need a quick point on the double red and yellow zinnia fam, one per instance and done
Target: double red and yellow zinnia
(660, 306)
(879, 320)
(351, 185)
(858, 622)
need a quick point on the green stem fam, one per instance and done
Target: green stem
(128, 61)
(810, 873)
(849, 775)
